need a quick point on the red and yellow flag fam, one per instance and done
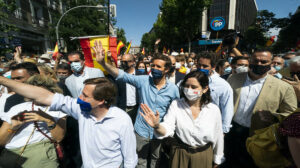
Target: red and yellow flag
(108, 43)
(119, 46)
(55, 52)
(164, 50)
(270, 41)
(128, 48)
(143, 51)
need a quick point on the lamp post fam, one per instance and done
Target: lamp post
(81, 6)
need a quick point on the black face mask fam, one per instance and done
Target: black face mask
(172, 69)
(260, 69)
(124, 66)
(295, 73)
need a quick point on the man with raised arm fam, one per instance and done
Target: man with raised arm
(106, 133)
(155, 91)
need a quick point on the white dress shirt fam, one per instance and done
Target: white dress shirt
(131, 94)
(104, 143)
(248, 97)
(75, 82)
(206, 128)
(20, 138)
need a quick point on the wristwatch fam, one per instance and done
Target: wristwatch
(51, 127)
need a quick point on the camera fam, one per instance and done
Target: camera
(229, 40)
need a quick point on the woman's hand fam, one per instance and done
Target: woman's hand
(17, 121)
(38, 116)
(99, 51)
(151, 119)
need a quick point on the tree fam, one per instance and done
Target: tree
(121, 37)
(80, 22)
(290, 34)
(178, 22)
(6, 28)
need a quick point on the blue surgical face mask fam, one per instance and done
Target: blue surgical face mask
(227, 70)
(230, 59)
(141, 71)
(1, 69)
(84, 106)
(277, 67)
(204, 71)
(286, 63)
(156, 74)
(76, 66)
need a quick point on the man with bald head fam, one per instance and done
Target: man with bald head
(259, 101)
(174, 76)
(127, 93)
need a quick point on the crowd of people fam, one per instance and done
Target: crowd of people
(196, 110)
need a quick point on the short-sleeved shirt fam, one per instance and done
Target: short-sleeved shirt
(24, 132)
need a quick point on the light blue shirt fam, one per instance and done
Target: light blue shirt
(75, 82)
(157, 100)
(222, 95)
(248, 97)
(105, 143)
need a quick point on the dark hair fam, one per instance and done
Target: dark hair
(81, 56)
(104, 90)
(262, 50)
(235, 59)
(168, 63)
(31, 68)
(220, 64)
(208, 55)
(203, 81)
(138, 64)
(64, 66)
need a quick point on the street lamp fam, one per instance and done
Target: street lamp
(81, 6)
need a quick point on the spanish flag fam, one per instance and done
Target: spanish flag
(164, 50)
(128, 48)
(55, 52)
(270, 41)
(143, 51)
(119, 46)
(108, 43)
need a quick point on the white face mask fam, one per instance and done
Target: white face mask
(41, 61)
(119, 62)
(191, 63)
(76, 66)
(192, 94)
(148, 69)
(241, 69)
(177, 65)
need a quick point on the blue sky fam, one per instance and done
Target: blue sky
(136, 17)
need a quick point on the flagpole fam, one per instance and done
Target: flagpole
(57, 25)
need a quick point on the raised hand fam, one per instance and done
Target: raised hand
(157, 41)
(17, 54)
(148, 115)
(99, 51)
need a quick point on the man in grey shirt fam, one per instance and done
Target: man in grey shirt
(80, 73)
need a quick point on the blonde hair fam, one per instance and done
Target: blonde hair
(44, 82)
(46, 70)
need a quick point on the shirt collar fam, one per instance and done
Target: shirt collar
(109, 114)
(152, 82)
(261, 80)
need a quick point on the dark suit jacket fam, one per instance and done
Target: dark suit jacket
(122, 97)
(178, 77)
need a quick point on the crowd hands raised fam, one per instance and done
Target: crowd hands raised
(199, 110)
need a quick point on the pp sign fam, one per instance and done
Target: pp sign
(217, 23)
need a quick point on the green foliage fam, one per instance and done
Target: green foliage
(7, 9)
(289, 35)
(148, 41)
(121, 37)
(79, 22)
(178, 22)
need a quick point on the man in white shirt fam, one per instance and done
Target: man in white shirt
(255, 94)
(107, 136)
(80, 73)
